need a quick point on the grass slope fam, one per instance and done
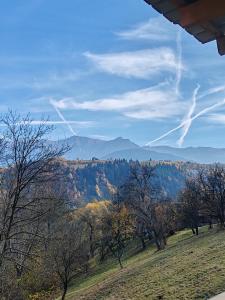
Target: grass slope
(190, 268)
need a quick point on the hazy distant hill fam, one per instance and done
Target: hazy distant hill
(197, 154)
(142, 154)
(120, 148)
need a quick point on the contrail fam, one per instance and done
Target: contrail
(186, 127)
(203, 95)
(202, 112)
(207, 109)
(214, 90)
(188, 118)
(62, 117)
(179, 64)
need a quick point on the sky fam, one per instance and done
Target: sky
(110, 68)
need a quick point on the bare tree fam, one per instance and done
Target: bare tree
(28, 165)
(191, 204)
(143, 197)
(68, 253)
(212, 189)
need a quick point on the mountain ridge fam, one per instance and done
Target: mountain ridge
(86, 148)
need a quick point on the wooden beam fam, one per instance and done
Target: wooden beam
(201, 11)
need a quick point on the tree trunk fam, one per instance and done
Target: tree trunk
(222, 216)
(2, 251)
(221, 222)
(210, 224)
(65, 286)
(196, 230)
(92, 250)
(193, 231)
(165, 240)
(102, 256)
(159, 240)
(143, 243)
(162, 244)
(157, 243)
(121, 265)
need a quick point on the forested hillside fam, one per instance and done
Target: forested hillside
(89, 180)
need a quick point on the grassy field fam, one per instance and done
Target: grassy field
(189, 268)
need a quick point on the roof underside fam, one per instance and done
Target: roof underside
(204, 19)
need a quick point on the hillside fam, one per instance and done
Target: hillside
(190, 268)
(89, 180)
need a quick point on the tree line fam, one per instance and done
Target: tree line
(202, 201)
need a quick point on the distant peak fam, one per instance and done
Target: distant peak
(119, 138)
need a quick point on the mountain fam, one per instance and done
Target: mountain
(85, 148)
(198, 154)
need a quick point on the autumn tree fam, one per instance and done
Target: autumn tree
(122, 229)
(91, 215)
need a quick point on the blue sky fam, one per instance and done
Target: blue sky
(109, 68)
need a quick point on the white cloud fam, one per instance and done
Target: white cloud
(217, 118)
(80, 124)
(179, 71)
(138, 64)
(158, 102)
(154, 29)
